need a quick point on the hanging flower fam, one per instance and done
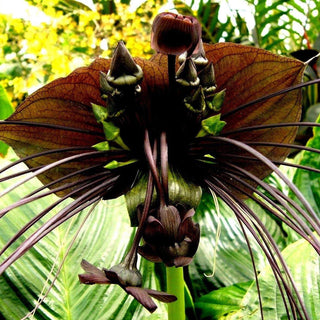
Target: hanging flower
(173, 238)
(222, 120)
(94, 275)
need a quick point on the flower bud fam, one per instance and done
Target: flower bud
(207, 78)
(187, 74)
(174, 34)
(171, 237)
(125, 275)
(198, 56)
(123, 70)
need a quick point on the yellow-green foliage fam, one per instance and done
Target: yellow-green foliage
(32, 55)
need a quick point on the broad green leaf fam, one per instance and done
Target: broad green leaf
(304, 264)
(233, 303)
(102, 241)
(6, 107)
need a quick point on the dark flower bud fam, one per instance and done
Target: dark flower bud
(207, 78)
(123, 70)
(198, 57)
(171, 237)
(174, 34)
(196, 103)
(121, 84)
(187, 74)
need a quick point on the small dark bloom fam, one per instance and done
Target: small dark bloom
(175, 34)
(116, 275)
(171, 236)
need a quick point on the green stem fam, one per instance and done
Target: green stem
(175, 286)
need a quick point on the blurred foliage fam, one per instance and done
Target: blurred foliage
(72, 36)
(275, 25)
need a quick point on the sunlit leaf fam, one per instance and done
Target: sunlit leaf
(222, 301)
(304, 264)
(237, 66)
(239, 301)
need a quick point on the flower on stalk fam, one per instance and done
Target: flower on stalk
(160, 134)
(94, 275)
(175, 34)
(171, 236)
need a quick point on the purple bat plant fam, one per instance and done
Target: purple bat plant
(194, 118)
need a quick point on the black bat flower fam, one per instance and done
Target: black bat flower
(161, 131)
(94, 275)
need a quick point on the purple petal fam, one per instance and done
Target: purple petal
(170, 219)
(91, 278)
(161, 296)
(147, 252)
(93, 275)
(142, 296)
(182, 261)
(153, 231)
(190, 213)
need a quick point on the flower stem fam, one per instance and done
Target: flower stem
(175, 286)
(172, 70)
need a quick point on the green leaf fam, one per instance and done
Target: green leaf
(110, 130)
(313, 110)
(304, 264)
(222, 301)
(6, 110)
(112, 133)
(102, 241)
(100, 113)
(297, 7)
(102, 146)
(240, 301)
(212, 125)
(116, 164)
(217, 100)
